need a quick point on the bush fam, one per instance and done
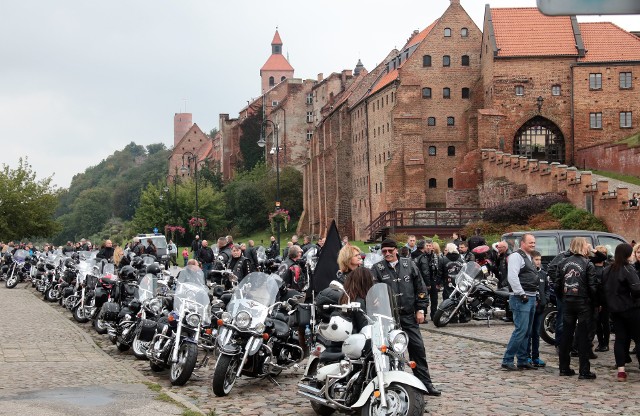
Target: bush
(520, 210)
(544, 221)
(486, 228)
(560, 210)
(579, 219)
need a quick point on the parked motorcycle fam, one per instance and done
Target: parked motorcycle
(175, 343)
(85, 307)
(367, 375)
(474, 297)
(549, 316)
(154, 303)
(255, 338)
(16, 271)
(104, 293)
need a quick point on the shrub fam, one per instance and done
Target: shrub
(560, 210)
(579, 219)
(486, 228)
(544, 221)
(520, 210)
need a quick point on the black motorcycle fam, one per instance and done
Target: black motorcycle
(18, 268)
(549, 316)
(474, 297)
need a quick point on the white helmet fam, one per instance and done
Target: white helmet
(337, 330)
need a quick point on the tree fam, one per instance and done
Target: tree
(251, 152)
(27, 205)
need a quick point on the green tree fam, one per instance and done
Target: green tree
(251, 152)
(290, 191)
(27, 204)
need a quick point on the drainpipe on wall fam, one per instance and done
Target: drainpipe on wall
(366, 129)
(573, 139)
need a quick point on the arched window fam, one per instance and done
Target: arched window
(272, 81)
(465, 60)
(426, 60)
(433, 183)
(431, 121)
(450, 183)
(426, 92)
(464, 32)
(446, 60)
(432, 150)
(451, 151)
(283, 78)
(447, 32)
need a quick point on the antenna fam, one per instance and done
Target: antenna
(185, 105)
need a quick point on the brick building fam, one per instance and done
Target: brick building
(189, 141)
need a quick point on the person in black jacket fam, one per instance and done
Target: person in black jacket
(576, 280)
(403, 277)
(349, 259)
(552, 272)
(602, 318)
(355, 289)
(195, 247)
(533, 348)
(251, 253)
(106, 251)
(206, 257)
(622, 292)
(239, 265)
(448, 267)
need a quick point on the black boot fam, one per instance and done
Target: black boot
(432, 391)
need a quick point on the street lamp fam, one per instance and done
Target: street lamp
(262, 143)
(185, 169)
(175, 192)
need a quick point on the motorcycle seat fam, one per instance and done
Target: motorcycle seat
(329, 356)
(502, 293)
(282, 317)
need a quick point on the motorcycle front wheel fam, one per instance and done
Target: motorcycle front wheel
(51, 294)
(139, 348)
(548, 325)
(100, 326)
(443, 316)
(402, 400)
(182, 370)
(80, 315)
(224, 375)
(11, 282)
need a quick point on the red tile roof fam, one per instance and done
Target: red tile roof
(276, 39)
(387, 79)
(527, 32)
(276, 62)
(420, 36)
(607, 42)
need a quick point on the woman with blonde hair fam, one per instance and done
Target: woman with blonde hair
(349, 259)
(118, 254)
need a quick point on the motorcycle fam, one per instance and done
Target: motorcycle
(549, 316)
(16, 272)
(254, 338)
(84, 307)
(175, 343)
(475, 297)
(154, 303)
(367, 374)
(103, 295)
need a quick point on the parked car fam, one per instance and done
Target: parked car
(160, 241)
(551, 242)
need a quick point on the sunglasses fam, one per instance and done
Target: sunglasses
(388, 250)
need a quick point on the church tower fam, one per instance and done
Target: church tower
(277, 68)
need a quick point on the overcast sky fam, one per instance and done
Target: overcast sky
(80, 79)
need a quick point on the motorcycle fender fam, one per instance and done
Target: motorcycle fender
(389, 377)
(312, 359)
(254, 345)
(230, 349)
(448, 303)
(323, 372)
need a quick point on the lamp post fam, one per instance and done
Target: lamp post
(175, 193)
(262, 143)
(185, 169)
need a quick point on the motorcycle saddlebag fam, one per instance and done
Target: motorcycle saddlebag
(147, 330)
(302, 315)
(101, 296)
(109, 311)
(67, 291)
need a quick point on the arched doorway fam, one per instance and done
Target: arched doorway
(539, 138)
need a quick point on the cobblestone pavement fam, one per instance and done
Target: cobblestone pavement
(48, 366)
(464, 363)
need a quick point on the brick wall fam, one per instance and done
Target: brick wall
(610, 205)
(611, 157)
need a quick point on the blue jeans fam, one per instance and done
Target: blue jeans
(522, 319)
(533, 346)
(206, 267)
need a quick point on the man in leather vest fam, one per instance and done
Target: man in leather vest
(428, 265)
(405, 281)
(239, 265)
(523, 287)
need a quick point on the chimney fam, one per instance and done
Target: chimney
(346, 74)
(320, 77)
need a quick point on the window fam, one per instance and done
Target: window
(465, 60)
(595, 120)
(432, 150)
(519, 90)
(309, 116)
(272, 81)
(451, 121)
(451, 151)
(309, 135)
(465, 93)
(309, 99)
(447, 32)
(625, 119)
(426, 60)
(625, 80)
(555, 89)
(450, 183)
(274, 103)
(464, 32)
(426, 93)
(282, 78)
(380, 186)
(446, 60)
(431, 121)
(595, 81)
(433, 183)
(446, 92)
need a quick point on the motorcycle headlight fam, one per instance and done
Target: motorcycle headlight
(226, 317)
(260, 327)
(193, 320)
(243, 319)
(398, 341)
(155, 305)
(463, 286)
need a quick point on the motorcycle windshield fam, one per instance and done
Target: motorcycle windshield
(372, 258)
(468, 272)
(255, 294)
(20, 255)
(148, 260)
(192, 297)
(380, 310)
(262, 254)
(108, 269)
(311, 258)
(191, 274)
(147, 287)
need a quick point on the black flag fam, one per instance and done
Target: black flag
(327, 266)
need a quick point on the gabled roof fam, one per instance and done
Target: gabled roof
(193, 131)
(606, 42)
(276, 62)
(387, 79)
(527, 32)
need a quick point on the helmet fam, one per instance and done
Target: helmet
(338, 328)
(481, 252)
(153, 269)
(69, 263)
(128, 273)
(137, 262)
